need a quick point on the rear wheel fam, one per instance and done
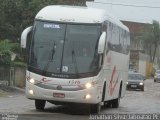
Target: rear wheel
(116, 102)
(154, 80)
(40, 104)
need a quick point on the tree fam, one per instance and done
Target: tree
(6, 50)
(18, 14)
(151, 39)
(146, 38)
(155, 36)
(73, 2)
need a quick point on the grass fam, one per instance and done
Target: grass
(2, 93)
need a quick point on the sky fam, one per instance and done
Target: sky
(143, 11)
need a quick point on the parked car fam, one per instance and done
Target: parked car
(157, 76)
(135, 81)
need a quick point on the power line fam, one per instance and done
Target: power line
(128, 5)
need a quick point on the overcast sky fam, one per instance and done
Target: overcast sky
(144, 11)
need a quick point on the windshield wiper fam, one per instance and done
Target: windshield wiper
(75, 62)
(50, 58)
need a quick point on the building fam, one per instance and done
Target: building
(137, 15)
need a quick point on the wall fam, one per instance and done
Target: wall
(144, 64)
(4, 75)
(20, 76)
(142, 67)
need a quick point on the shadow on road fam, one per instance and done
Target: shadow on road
(71, 109)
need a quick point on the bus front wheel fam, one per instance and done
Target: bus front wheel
(95, 108)
(40, 104)
(115, 103)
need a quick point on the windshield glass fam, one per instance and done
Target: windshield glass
(64, 48)
(135, 77)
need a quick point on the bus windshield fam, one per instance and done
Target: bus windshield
(64, 48)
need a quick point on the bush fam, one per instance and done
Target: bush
(6, 50)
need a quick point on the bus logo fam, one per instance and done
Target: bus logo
(43, 80)
(111, 85)
(59, 87)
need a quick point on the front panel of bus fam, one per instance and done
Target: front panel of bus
(64, 63)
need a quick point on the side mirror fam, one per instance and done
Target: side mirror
(101, 44)
(24, 36)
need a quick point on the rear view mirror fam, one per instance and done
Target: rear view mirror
(101, 44)
(24, 36)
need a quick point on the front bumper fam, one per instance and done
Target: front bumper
(135, 86)
(70, 96)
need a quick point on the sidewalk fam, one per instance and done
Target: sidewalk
(5, 90)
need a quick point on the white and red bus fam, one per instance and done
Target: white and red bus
(76, 55)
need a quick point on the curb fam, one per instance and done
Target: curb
(19, 89)
(11, 89)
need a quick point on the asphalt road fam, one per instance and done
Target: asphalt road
(134, 102)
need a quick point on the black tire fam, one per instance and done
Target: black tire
(40, 104)
(104, 92)
(95, 108)
(116, 102)
(154, 80)
(108, 104)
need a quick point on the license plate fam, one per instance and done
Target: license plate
(58, 95)
(133, 86)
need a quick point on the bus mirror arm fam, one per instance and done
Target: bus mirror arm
(24, 36)
(101, 43)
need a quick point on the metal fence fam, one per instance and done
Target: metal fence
(7, 75)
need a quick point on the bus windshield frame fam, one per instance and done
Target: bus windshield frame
(64, 50)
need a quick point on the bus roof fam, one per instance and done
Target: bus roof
(76, 14)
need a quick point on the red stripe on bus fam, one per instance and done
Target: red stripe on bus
(111, 85)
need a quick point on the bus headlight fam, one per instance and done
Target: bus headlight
(88, 85)
(127, 83)
(88, 96)
(32, 81)
(140, 83)
(31, 92)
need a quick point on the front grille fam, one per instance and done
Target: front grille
(133, 83)
(56, 87)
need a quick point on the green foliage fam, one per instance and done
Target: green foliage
(18, 64)
(6, 49)
(155, 32)
(6, 45)
(151, 38)
(5, 58)
(18, 14)
(3, 93)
